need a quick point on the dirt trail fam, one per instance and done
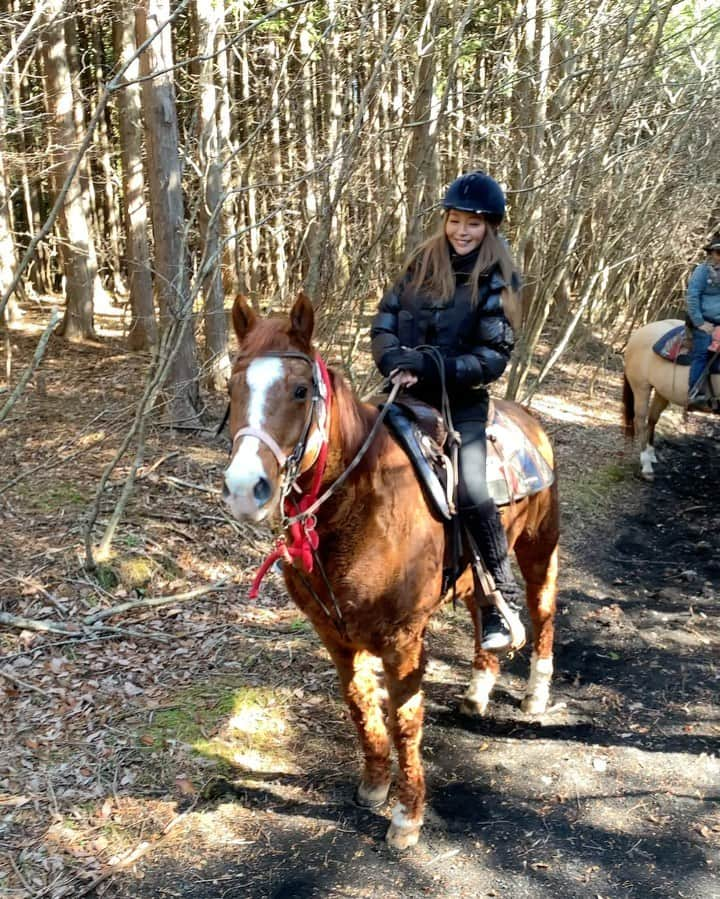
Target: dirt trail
(224, 762)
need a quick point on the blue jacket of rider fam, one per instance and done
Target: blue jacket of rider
(703, 295)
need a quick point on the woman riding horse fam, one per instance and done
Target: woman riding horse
(305, 446)
(449, 296)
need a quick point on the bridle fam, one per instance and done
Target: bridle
(301, 542)
(298, 511)
(318, 410)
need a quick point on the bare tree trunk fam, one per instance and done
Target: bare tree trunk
(276, 167)
(210, 18)
(8, 259)
(75, 39)
(109, 204)
(77, 247)
(168, 213)
(310, 200)
(249, 199)
(418, 171)
(230, 276)
(143, 328)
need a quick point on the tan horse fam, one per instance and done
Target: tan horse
(650, 384)
(364, 561)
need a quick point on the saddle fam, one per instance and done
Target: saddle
(421, 431)
(515, 468)
(676, 343)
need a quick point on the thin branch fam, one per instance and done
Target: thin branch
(154, 601)
(29, 371)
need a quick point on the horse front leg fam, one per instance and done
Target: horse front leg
(360, 690)
(403, 676)
(540, 573)
(658, 405)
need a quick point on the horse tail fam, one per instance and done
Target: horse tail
(628, 409)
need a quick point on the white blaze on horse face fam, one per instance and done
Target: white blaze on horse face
(246, 468)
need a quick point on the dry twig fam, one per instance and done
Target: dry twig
(155, 601)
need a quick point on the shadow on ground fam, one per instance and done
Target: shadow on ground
(612, 794)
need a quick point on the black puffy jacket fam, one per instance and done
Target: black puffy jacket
(475, 342)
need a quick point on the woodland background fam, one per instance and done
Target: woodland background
(159, 158)
(154, 161)
(164, 156)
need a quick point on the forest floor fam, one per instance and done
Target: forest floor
(200, 748)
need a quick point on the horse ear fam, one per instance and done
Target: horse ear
(243, 317)
(302, 318)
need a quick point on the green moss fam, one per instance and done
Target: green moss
(136, 571)
(58, 496)
(236, 726)
(106, 576)
(596, 485)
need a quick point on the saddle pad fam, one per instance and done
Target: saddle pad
(674, 346)
(515, 467)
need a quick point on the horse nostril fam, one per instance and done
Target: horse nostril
(225, 490)
(261, 490)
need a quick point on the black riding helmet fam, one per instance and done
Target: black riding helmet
(476, 192)
(713, 243)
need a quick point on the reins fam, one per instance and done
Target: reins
(335, 486)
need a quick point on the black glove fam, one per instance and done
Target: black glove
(404, 360)
(431, 373)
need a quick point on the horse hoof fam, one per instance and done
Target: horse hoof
(368, 796)
(532, 705)
(403, 837)
(472, 708)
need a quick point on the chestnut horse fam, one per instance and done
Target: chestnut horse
(364, 561)
(650, 384)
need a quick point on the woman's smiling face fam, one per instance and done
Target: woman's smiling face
(465, 230)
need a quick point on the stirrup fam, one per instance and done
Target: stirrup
(701, 401)
(518, 636)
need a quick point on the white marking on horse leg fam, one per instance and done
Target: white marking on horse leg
(650, 450)
(246, 467)
(476, 698)
(537, 691)
(404, 831)
(647, 458)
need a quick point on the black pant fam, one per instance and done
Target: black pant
(477, 509)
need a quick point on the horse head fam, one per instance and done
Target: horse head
(277, 408)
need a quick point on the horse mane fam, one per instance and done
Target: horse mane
(355, 420)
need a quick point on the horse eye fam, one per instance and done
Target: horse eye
(300, 392)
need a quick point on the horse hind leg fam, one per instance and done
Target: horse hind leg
(645, 431)
(360, 688)
(540, 572)
(485, 669)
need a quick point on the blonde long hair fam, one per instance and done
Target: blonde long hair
(430, 269)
